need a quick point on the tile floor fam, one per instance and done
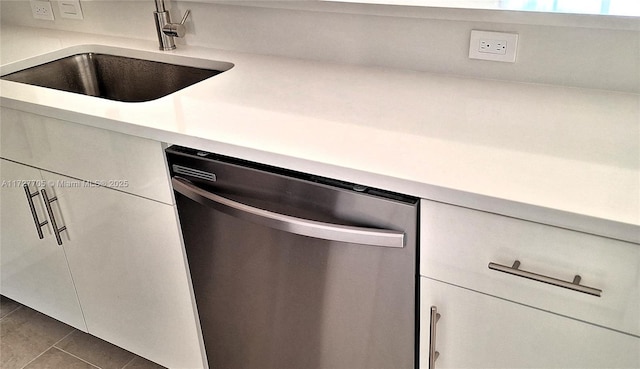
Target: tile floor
(31, 340)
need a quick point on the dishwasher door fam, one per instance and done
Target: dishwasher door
(295, 271)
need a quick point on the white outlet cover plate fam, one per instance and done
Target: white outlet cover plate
(41, 9)
(511, 40)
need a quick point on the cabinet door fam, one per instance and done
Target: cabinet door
(34, 271)
(127, 259)
(480, 331)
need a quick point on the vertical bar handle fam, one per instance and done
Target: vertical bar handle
(47, 203)
(433, 354)
(34, 214)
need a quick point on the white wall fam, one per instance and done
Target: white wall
(553, 49)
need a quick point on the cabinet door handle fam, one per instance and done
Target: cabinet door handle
(433, 354)
(34, 214)
(47, 203)
(573, 285)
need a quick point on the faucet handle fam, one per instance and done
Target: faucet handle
(176, 29)
(184, 17)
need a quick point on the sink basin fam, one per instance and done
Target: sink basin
(112, 77)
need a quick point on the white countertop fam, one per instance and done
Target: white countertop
(563, 156)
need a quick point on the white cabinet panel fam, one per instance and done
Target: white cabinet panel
(127, 259)
(479, 331)
(457, 245)
(34, 271)
(85, 152)
(124, 252)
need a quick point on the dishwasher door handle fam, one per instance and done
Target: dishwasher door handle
(290, 224)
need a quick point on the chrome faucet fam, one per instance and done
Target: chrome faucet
(167, 30)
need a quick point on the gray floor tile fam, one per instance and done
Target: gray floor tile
(141, 363)
(7, 306)
(95, 351)
(25, 334)
(56, 359)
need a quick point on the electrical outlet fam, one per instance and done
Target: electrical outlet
(41, 9)
(70, 9)
(494, 46)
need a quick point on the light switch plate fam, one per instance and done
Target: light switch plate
(70, 9)
(494, 46)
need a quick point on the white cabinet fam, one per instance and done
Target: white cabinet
(480, 331)
(494, 319)
(33, 271)
(121, 246)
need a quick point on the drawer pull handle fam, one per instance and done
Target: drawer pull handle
(47, 203)
(573, 285)
(34, 214)
(433, 354)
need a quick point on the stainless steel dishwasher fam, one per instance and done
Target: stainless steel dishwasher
(293, 271)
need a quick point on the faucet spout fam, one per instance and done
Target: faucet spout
(160, 5)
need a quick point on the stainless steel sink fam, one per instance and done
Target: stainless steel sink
(112, 77)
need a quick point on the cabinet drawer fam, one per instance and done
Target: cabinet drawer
(457, 245)
(127, 163)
